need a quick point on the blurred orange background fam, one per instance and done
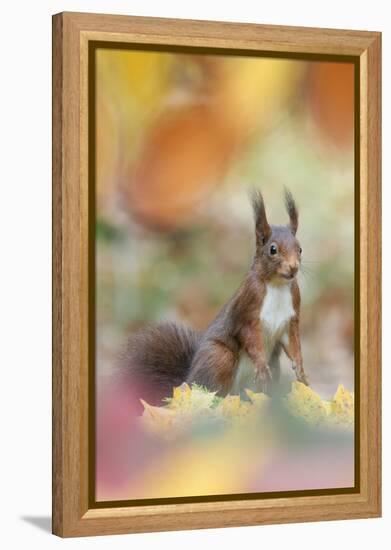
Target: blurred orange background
(180, 139)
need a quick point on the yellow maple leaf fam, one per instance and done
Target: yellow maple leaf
(303, 402)
(186, 398)
(181, 393)
(230, 405)
(342, 407)
(233, 409)
(156, 419)
(257, 398)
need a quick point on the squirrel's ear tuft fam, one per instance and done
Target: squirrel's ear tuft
(292, 211)
(262, 228)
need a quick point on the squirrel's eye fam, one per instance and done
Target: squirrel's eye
(300, 250)
(273, 249)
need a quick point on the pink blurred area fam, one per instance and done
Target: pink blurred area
(302, 469)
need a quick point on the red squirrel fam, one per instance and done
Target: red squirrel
(261, 319)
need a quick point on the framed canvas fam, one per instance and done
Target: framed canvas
(216, 221)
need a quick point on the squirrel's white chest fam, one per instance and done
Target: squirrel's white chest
(277, 308)
(275, 314)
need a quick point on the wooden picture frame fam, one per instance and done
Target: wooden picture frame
(73, 514)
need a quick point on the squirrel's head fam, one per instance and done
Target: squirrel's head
(278, 252)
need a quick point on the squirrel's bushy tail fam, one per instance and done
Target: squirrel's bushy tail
(158, 358)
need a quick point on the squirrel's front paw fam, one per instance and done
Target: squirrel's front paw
(300, 374)
(303, 378)
(263, 378)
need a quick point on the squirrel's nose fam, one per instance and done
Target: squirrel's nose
(293, 269)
